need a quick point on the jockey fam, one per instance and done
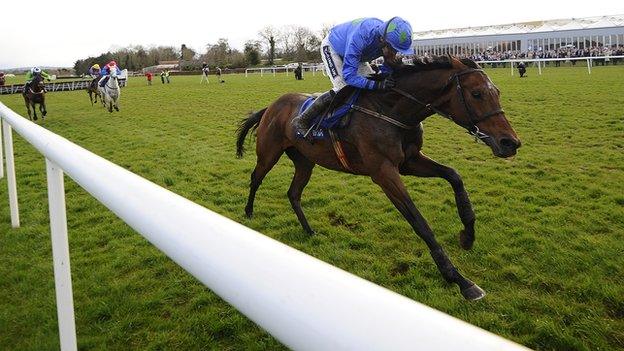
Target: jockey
(94, 71)
(106, 71)
(34, 72)
(346, 51)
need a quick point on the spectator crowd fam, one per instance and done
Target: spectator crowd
(539, 53)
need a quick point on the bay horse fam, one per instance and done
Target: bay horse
(384, 139)
(94, 91)
(35, 94)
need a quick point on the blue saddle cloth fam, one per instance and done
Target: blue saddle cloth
(333, 117)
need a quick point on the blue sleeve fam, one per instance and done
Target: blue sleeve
(353, 53)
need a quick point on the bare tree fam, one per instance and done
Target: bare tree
(303, 37)
(269, 34)
(287, 40)
(325, 28)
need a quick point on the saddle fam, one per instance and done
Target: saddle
(336, 116)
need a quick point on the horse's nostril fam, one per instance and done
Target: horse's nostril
(508, 143)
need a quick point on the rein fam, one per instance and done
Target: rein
(433, 107)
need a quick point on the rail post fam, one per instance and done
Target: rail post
(60, 256)
(10, 168)
(1, 158)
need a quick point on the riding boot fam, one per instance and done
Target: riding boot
(302, 122)
(26, 87)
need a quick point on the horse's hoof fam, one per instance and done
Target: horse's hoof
(117, 109)
(473, 293)
(249, 214)
(35, 118)
(466, 241)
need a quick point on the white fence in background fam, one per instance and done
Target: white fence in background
(305, 303)
(541, 62)
(277, 69)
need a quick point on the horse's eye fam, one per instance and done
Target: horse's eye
(476, 94)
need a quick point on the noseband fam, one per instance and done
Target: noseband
(472, 116)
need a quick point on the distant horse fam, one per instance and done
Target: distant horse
(384, 139)
(94, 91)
(110, 92)
(35, 94)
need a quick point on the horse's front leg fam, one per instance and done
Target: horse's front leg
(28, 109)
(34, 109)
(42, 108)
(388, 178)
(422, 166)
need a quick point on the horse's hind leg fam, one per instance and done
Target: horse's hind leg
(268, 155)
(388, 178)
(303, 172)
(422, 166)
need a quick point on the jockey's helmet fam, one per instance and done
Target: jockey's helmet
(398, 34)
(112, 63)
(95, 66)
(35, 70)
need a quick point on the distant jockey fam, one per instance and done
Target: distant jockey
(94, 71)
(346, 51)
(106, 71)
(35, 71)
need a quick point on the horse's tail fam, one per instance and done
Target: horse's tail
(247, 124)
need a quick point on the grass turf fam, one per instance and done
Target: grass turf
(550, 221)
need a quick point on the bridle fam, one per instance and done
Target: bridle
(38, 81)
(109, 79)
(472, 116)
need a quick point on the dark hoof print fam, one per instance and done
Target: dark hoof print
(466, 241)
(473, 293)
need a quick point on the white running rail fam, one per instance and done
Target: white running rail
(541, 62)
(275, 69)
(305, 303)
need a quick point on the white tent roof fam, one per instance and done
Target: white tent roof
(526, 27)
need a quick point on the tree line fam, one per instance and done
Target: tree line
(287, 44)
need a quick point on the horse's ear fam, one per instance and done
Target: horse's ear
(470, 63)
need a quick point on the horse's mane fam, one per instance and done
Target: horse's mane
(424, 63)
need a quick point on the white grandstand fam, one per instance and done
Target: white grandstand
(580, 33)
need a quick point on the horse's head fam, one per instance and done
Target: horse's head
(37, 84)
(462, 92)
(113, 73)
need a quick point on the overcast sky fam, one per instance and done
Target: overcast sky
(58, 32)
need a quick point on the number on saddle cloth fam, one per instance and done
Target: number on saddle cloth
(333, 117)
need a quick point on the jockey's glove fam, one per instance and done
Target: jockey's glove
(385, 84)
